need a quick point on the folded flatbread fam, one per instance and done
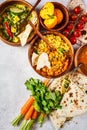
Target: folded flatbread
(74, 101)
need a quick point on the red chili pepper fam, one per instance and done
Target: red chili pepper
(8, 29)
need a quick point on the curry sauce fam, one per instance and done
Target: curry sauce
(82, 58)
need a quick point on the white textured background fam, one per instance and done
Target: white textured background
(14, 70)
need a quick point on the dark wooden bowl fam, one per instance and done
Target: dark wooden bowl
(83, 65)
(65, 20)
(28, 5)
(30, 51)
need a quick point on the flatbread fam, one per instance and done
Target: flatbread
(74, 101)
(75, 77)
(43, 61)
(56, 120)
(34, 58)
(23, 36)
(73, 3)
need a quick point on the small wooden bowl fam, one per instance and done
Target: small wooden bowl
(30, 51)
(81, 58)
(64, 22)
(28, 5)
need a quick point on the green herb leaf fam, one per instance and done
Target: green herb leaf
(61, 50)
(51, 16)
(36, 106)
(45, 100)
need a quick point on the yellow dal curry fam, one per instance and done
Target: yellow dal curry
(58, 58)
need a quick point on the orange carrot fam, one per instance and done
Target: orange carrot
(27, 105)
(30, 123)
(29, 113)
(23, 111)
(27, 110)
(35, 114)
(27, 117)
(41, 118)
(46, 81)
(43, 114)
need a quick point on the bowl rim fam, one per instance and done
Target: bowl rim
(28, 5)
(76, 56)
(55, 33)
(65, 23)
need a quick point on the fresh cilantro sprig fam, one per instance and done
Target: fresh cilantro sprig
(45, 100)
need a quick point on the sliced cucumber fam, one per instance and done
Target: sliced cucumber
(16, 10)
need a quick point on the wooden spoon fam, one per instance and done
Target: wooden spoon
(41, 36)
(25, 21)
(79, 65)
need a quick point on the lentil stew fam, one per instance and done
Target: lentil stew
(60, 59)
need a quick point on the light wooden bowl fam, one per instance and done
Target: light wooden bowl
(30, 51)
(28, 5)
(64, 22)
(83, 65)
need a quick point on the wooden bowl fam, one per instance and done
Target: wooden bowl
(64, 22)
(81, 59)
(71, 50)
(7, 3)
